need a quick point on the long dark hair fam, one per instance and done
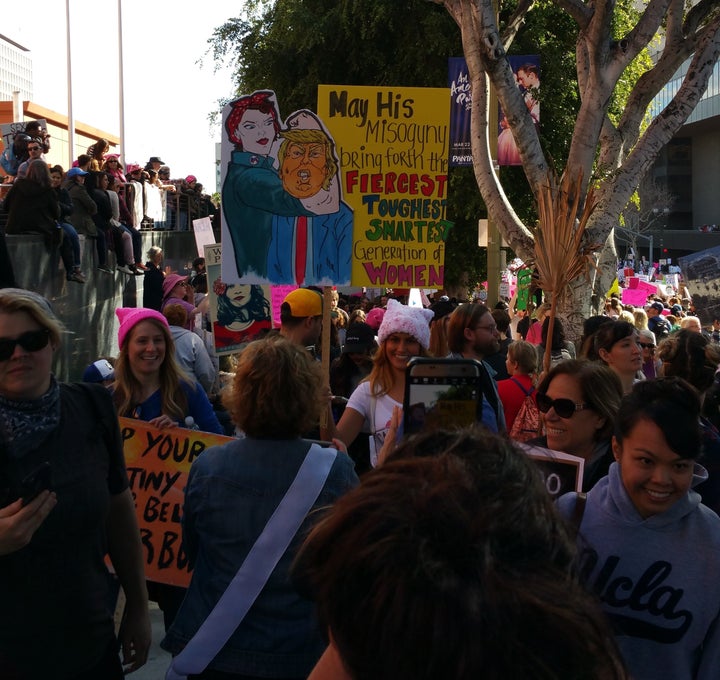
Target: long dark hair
(257, 308)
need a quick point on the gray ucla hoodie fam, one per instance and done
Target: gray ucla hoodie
(658, 578)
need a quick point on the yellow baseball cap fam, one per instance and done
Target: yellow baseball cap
(304, 302)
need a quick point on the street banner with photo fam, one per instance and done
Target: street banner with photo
(526, 69)
(158, 463)
(561, 472)
(284, 220)
(460, 105)
(393, 146)
(701, 276)
(240, 313)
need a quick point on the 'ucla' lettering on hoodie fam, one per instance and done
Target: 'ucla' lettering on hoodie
(658, 579)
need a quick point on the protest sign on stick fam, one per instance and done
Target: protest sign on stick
(158, 463)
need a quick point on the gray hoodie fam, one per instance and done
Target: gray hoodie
(658, 578)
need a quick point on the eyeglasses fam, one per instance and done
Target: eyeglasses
(646, 346)
(30, 341)
(111, 160)
(34, 148)
(565, 408)
(490, 329)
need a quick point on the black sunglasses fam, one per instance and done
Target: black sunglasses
(30, 341)
(565, 408)
(646, 346)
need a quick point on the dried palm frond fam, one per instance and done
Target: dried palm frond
(562, 253)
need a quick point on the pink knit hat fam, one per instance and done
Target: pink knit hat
(132, 316)
(374, 317)
(402, 319)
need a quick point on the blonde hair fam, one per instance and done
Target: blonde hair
(641, 319)
(126, 388)
(13, 300)
(525, 354)
(382, 377)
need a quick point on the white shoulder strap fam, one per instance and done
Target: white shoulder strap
(254, 572)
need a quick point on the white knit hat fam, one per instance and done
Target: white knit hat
(414, 321)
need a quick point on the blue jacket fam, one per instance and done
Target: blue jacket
(329, 249)
(232, 491)
(251, 194)
(198, 407)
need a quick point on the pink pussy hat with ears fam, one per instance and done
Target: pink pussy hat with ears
(131, 316)
(400, 318)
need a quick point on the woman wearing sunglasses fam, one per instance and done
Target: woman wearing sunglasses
(578, 402)
(64, 503)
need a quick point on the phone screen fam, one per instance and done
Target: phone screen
(441, 395)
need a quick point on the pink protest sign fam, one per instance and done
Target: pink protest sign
(634, 296)
(277, 294)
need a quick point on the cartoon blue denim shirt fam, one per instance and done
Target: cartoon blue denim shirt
(252, 194)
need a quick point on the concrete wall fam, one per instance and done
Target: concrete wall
(88, 310)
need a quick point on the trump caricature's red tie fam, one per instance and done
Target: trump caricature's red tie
(300, 249)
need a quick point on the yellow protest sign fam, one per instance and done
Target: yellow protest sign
(393, 148)
(158, 463)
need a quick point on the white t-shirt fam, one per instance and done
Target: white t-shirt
(376, 424)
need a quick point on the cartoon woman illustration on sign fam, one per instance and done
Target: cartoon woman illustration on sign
(252, 191)
(243, 312)
(253, 194)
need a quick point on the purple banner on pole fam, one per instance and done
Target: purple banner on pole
(460, 101)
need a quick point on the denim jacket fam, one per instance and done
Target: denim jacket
(232, 492)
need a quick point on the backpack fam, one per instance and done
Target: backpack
(526, 425)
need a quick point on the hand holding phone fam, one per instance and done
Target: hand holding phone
(441, 393)
(39, 480)
(19, 522)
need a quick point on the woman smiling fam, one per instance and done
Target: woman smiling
(650, 549)
(578, 402)
(404, 333)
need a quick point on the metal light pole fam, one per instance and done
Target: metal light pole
(71, 118)
(121, 83)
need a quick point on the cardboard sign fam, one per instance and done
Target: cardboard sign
(204, 235)
(239, 312)
(701, 272)
(561, 472)
(284, 220)
(393, 149)
(158, 463)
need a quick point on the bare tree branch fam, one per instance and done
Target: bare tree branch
(515, 22)
(578, 10)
